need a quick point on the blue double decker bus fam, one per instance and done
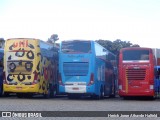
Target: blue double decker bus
(86, 68)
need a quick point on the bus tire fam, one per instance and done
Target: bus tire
(1, 90)
(152, 97)
(20, 95)
(102, 92)
(95, 97)
(126, 97)
(100, 95)
(50, 91)
(5, 94)
(54, 92)
(71, 96)
(48, 95)
(28, 95)
(113, 93)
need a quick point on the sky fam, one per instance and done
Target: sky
(137, 21)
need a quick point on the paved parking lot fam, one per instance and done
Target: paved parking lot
(62, 103)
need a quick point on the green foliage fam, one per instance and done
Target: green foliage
(116, 45)
(49, 41)
(53, 38)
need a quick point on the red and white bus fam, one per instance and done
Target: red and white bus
(136, 72)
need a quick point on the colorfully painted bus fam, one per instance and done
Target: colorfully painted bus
(1, 71)
(86, 68)
(136, 72)
(30, 67)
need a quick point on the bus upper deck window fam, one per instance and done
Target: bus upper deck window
(144, 57)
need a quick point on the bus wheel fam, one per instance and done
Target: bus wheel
(28, 95)
(20, 95)
(6, 94)
(1, 91)
(51, 92)
(48, 94)
(95, 97)
(102, 92)
(113, 93)
(151, 97)
(54, 91)
(71, 96)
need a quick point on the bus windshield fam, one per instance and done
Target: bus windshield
(129, 55)
(76, 46)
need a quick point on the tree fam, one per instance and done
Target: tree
(53, 38)
(116, 45)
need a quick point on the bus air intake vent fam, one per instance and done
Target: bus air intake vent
(136, 74)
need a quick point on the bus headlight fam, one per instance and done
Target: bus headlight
(151, 87)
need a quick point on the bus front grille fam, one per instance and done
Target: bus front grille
(135, 74)
(75, 68)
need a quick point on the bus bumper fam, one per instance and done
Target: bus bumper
(21, 89)
(138, 93)
(77, 89)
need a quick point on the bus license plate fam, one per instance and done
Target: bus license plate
(19, 88)
(75, 88)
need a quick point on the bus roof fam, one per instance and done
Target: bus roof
(88, 41)
(75, 40)
(23, 38)
(136, 48)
